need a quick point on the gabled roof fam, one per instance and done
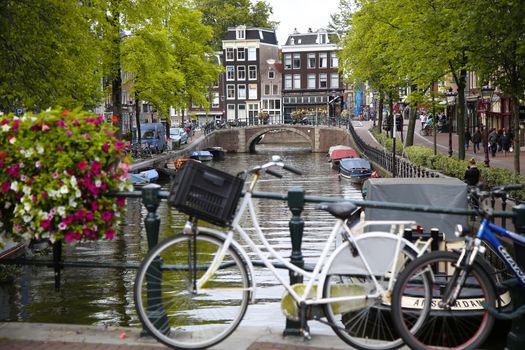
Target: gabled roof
(264, 35)
(311, 38)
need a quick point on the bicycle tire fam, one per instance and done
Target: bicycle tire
(458, 328)
(365, 326)
(168, 305)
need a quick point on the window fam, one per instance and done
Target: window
(252, 72)
(321, 39)
(287, 61)
(230, 92)
(334, 63)
(323, 60)
(240, 33)
(230, 114)
(334, 80)
(311, 60)
(241, 92)
(252, 54)
(322, 81)
(271, 74)
(296, 60)
(288, 81)
(215, 101)
(266, 89)
(241, 73)
(252, 91)
(240, 54)
(229, 54)
(241, 112)
(230, 73)
(311, 81)
(296, 81)
(275, 90)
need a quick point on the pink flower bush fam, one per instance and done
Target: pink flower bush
(56, 169)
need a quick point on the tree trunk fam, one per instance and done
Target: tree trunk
(461, 111)
(411, 126)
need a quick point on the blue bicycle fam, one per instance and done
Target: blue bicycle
(458, 294)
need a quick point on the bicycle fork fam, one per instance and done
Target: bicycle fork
(462, 268)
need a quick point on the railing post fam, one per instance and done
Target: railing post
(516, 336)
(156, 314)
(296, 205)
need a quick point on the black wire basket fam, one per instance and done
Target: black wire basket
(205, 193)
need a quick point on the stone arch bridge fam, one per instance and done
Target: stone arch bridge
(243, 140)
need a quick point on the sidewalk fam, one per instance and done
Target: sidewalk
(39, 336)
(500, 160)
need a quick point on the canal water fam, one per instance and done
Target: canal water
(101, 296)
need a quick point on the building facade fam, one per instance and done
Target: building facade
(250, 55)
(312, 85)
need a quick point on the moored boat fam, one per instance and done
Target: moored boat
(218, 153)
(355, 169)
(203, 156)
(144, 177)
(336, 153)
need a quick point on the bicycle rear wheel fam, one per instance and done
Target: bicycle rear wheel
(365, 324)
(170, 305)
(465, 326)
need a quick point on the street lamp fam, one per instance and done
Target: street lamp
(451, 101)
(486, 97)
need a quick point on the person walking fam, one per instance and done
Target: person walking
(468, 138)
(505, 142)
(493, 141)
(472, 174)
(476, 140)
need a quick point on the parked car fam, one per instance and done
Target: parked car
(178, 137)
(154, 135)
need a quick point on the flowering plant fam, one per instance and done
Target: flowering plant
(55, 171)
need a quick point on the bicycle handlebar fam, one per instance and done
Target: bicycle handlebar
(275, 162)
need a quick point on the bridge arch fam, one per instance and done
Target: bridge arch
(252, 138)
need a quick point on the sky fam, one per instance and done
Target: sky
(301, 14)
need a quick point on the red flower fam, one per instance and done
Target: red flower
(82, 165)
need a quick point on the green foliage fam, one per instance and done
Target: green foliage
(55, 171)
(222, 14)
(49, 55)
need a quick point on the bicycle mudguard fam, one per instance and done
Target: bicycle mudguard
(377, 248)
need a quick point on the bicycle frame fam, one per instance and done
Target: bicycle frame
(318, 275)
(487, 232)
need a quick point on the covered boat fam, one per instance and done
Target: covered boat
(336, 153)
(355, 169)
(144, 177)
(203, 156)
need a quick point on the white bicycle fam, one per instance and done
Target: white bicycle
(192, 290)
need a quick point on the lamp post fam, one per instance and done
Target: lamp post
(451, 101)
(375, 96)
(486, 97)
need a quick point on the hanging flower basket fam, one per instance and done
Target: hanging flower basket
(56, 169)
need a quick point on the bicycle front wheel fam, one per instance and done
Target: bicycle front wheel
(365, 323)
(465, 325)
(171, 305)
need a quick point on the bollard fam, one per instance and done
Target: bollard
(296, 205)
(434, 234)
(516, 336)
(156, 314)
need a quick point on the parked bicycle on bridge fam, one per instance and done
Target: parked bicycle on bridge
(193, 289)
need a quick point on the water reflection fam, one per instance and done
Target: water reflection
(105, 296)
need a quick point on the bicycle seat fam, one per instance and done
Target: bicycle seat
(341, 210)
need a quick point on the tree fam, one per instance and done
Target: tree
(50, 55)
(499, 52)
(222, 14)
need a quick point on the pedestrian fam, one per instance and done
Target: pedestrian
(500, 145)
(472, 174)
(505, 142)
(467, 139)
(476, 140)
(493, 141)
